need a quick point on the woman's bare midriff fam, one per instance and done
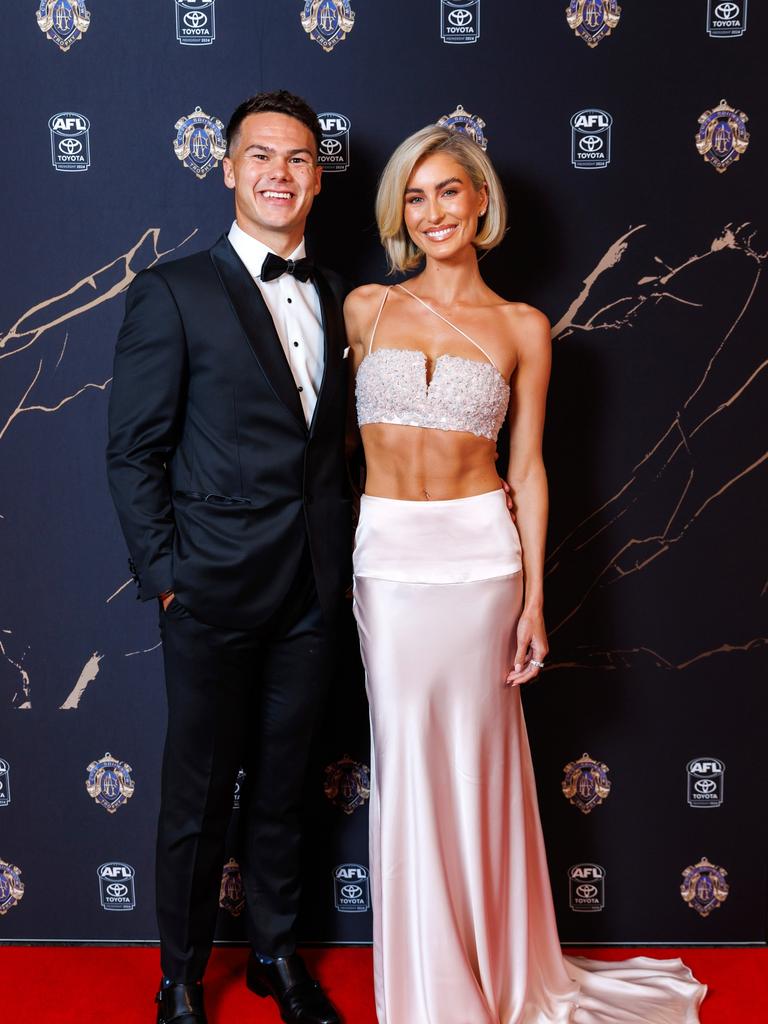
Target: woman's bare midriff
(420, 464)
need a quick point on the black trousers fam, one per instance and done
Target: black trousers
(236, 698)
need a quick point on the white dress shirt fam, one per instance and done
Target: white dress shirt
(295, 309)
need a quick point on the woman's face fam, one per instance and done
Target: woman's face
(442, 206)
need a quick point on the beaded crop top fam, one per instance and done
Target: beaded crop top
(463, 394)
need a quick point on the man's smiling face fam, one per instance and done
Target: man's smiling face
(273, 170)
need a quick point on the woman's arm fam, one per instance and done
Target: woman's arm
(528, 482)
(359, 312)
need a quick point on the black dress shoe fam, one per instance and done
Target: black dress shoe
(298, 996)
(180, 1004)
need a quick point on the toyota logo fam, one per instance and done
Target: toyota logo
(705, 786)
(351, 892)
(195, 19)
(587, 892)
(727, 11)
(330, 147)
(117, 889)
(70, 146)
(460, 18)
(591, 143)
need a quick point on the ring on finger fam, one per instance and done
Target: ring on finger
(536, 664)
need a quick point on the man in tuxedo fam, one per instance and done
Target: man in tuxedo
(226, 465)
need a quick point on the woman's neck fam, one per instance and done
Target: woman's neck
(449, 282)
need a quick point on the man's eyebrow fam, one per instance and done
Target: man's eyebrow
(271, 149)
(438, 186)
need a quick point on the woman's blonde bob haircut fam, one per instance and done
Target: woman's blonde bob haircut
(402, 253)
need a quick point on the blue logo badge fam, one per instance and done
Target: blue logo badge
(726, 20)
(593, 20)
(199, 142)
(706, 779)
(347, 784)
(109, 782)
(5, 783)
(334, 146)
(586, 888)
(63, 21)
(722, 136)
(11, 887)
(459, 21)
(704, 887)
(591, 139)
(461, 121)
(351, 889)
(327, 21)
(195, 22)
(231, 895)
(70, 141)
(585, 783)
(116, 886)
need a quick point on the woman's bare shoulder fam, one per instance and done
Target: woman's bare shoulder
(361, 299)
(528, 325)
(360, 308)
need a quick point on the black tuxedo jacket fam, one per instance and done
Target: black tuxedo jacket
(217, 480)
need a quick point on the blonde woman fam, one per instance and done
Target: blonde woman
(449, 606)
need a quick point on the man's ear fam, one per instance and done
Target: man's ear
(229, 173)
(318, 178)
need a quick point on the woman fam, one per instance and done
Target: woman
(448, 600)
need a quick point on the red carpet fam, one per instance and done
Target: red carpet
(61, 985)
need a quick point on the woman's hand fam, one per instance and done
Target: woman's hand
(532, 647)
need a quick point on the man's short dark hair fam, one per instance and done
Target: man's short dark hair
(278, 102)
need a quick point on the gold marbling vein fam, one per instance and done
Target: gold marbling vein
(22, 699)
(629, 657)
(614, 569)
(101, 281)
(88, 673)
(59, 309)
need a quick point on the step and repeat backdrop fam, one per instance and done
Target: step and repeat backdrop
(632, 141)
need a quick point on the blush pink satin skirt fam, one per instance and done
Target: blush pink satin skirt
(464, 927)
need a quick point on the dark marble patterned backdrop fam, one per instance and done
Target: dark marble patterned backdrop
(652, 272)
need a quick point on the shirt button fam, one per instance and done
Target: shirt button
(289, 300)
(295, 344)
(301, 388)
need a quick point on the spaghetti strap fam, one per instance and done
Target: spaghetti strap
(378, 317)
(445, 320)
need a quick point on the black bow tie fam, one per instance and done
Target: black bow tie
(274, 267)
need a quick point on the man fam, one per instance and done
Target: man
(226, 466)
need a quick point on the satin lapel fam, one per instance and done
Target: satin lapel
(257, 324)
(333, 335)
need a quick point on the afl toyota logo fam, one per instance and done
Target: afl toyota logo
(195, 22)
(706, 779)
(586, 888)
(70, 145)
(460, 21)
(726, 20)
(591, 139)
(334, 146)
(351, 887)
(116, 886)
